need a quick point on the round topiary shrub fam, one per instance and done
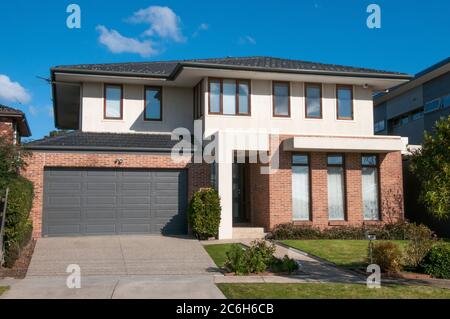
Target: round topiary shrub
(437, 262)
(204, 213)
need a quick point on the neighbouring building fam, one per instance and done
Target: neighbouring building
(309, 124)
(409, 110)
(13, 124)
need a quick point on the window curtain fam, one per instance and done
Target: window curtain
(370, 193)
(300, 192)
(336, 193)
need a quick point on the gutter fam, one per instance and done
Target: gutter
(102, 148)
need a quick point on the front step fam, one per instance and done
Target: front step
(248, 233)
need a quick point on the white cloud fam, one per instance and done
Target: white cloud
(201, 27)
(118, 43)
(162, 21)
(36, 110)
(33, 110)
(12, 91)
(247, 40)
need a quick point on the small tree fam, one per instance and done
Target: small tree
(204, 213)
(431, 165)
(12, 159)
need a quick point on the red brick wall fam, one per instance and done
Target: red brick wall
(198, 174)
(279, 186)
(6, 129)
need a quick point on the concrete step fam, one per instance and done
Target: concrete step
(248, 233)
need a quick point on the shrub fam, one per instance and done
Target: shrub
(388, 256)
(437, 262)
(254, 259)
(18, 226)
(204, 213)
(391, 231)
(285, 264)
(420, 242)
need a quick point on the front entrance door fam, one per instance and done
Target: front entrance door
(240, 207)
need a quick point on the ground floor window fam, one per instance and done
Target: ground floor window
(301, 205)
(336, 187)
(369, 173)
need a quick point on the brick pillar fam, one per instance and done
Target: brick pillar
(391, 186)
(353, 191)
(319, 188)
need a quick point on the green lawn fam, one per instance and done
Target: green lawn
(218, 253)
(3, 289)
(330, 291)
(345, 253)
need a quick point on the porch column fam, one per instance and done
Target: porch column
(225, 186)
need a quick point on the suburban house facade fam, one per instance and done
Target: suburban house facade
(409, 110)
(13, 124)
(293, 142)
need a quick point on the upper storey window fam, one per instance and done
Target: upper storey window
(229, 97)
(113, 104)
(281, 99)
(153, 103)
(313, 96)
(344, 99)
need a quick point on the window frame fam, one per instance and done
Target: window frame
(289, 98)
(308, 156)
(345, 86)
(237, 82)
(160, 88)
(105, 87)
(344, 171)
(198, 100)
(378, 122)
(320, 86)
(438, 100)
(377, 166)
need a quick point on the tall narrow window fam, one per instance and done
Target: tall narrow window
(313, 100)
(198, 100)
(370, 188)
(153, 104)
(336, 187)
(112, 102)
(229, 97)
(344, 100)
(281, 96)
(214, 96)
(301, 206)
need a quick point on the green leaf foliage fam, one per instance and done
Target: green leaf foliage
(204, 213)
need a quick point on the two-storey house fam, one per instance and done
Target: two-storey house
(13, 125)
(310, 125)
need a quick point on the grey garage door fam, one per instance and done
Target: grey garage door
(114, 201)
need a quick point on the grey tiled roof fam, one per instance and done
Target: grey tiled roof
(110, 141)
(257, 63)
(9, 110)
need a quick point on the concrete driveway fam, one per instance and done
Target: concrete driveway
(119, 267)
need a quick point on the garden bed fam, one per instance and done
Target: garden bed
(20, 267)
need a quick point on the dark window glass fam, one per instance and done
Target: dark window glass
(313, 100)
(344, 103)
(280, 99)
(153, 97)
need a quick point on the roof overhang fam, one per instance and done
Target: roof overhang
(422, 77)
(22, 123)
(371, 144)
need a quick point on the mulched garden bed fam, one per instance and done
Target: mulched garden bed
(20, 267)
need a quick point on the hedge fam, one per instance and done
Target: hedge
(18, 226)
(204, 213)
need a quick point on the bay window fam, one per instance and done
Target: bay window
(301, 184)
(370, 188)
(336, 187)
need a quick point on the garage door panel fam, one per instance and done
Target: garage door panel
(114, 201)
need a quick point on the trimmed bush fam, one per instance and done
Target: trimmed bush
(437, 262)
(204, 213)
(18, 226)
(395, 231)
(388, 256)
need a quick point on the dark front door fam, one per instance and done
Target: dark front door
(95, 201)
(240, 206)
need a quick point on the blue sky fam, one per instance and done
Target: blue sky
(34, 37)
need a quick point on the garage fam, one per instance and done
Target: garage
(93, 201)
